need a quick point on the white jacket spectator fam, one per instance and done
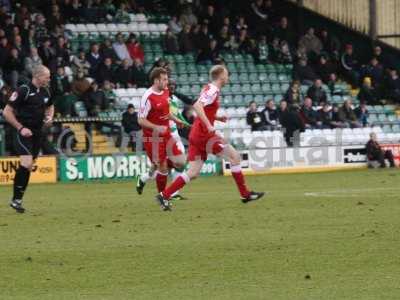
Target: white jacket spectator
(32, 61)
(121, 50)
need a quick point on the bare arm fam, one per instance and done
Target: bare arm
(199, 109)
(143, 122)
(8, 114)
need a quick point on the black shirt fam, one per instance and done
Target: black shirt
(130, 122)
(30, 104)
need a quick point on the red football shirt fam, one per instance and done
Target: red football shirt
(209, 96)
(155, 108)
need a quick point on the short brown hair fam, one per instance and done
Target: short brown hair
(216, 71)
(156, 73)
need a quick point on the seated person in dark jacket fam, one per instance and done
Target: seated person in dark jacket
(270, 114)
(124, 75)
(291, 122)
(293, 94)
(105, 71)
(255, 118)
(347, 116)
(393, 85)
(130, 125)
(96, 100)
(375, 152)
(368, 93)
(362, 114)
(309, 115)
(304, 73)
(325, 117)
(316, 93)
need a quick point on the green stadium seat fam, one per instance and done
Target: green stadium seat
(248, 58)
(195, 89)
(382, 118)
(194, 78)
(284, 87)
(276, 88)
(234, 78)
(273, 77)
(253, 78)
(238, 58)
(247, 99)
(256, 88)
(238, 99)
(259, 99)
(266, 88)
(227, 100)
(184, 89)
(203, 79)
(243, 78)
(236, 88)
(228, 57)
(246, 89)
(241, 67)
(261, 69)
(263, 77)
(396, 128)
(183, 79)
(251, 68)
(80, 109)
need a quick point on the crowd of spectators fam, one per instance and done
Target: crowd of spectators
(30, 37)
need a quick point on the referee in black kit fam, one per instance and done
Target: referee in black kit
(29, 108)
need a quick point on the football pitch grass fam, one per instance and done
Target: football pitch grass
(315, 236)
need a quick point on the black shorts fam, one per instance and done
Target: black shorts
(27, 145)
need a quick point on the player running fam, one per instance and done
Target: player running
(203, 140)
(28, 109)
(154, 117)
(174, 99)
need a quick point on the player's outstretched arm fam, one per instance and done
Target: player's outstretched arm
(199, 109)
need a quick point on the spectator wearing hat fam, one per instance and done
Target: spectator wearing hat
(131, 126)
(376, 153)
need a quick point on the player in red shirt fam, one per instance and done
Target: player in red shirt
(154, 117)
(203, 140)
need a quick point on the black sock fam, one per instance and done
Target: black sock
(21, 180)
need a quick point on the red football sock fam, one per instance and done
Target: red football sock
(178, 183)
(161, 180)
(239, 179)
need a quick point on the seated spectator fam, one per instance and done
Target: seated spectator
(47, 52)
(106, 71)
(171, 45)
(139, 74)
(41, 32)
(375, 152)
(347, 116)
(188, 17)
(211, 19)
(208, 55)
(317, 93)
(304, 73)
(325, 68)
(4, 51)
(336, 121)
(124, 75)
(122, 14)
(283, 33)
(185, 40)
(62, 51)
(246, 44)
(350, 65)
(367, 93)
(262, 51)
(80, 85)
(135, 48)
(362, 114)
(80, 63)
(308, 115)
(107, 50)
(291, 123)
(131, 126)
(270, 114)
(293, 94)
(255, 118)
(284, 54)
(223, 38)
(121, 49)
(333, 81)
(95, 59)
(375, 71)
(32, 61)
(17, 44)
(330, 45)
(13, 68)
(325, 117)
(311, 43)
(60, 88)
(393, 86)
(174, 25)
(231, 44)
(96, 100)
(240, 25)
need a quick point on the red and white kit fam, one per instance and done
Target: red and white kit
(201, 141)
(155, 108)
